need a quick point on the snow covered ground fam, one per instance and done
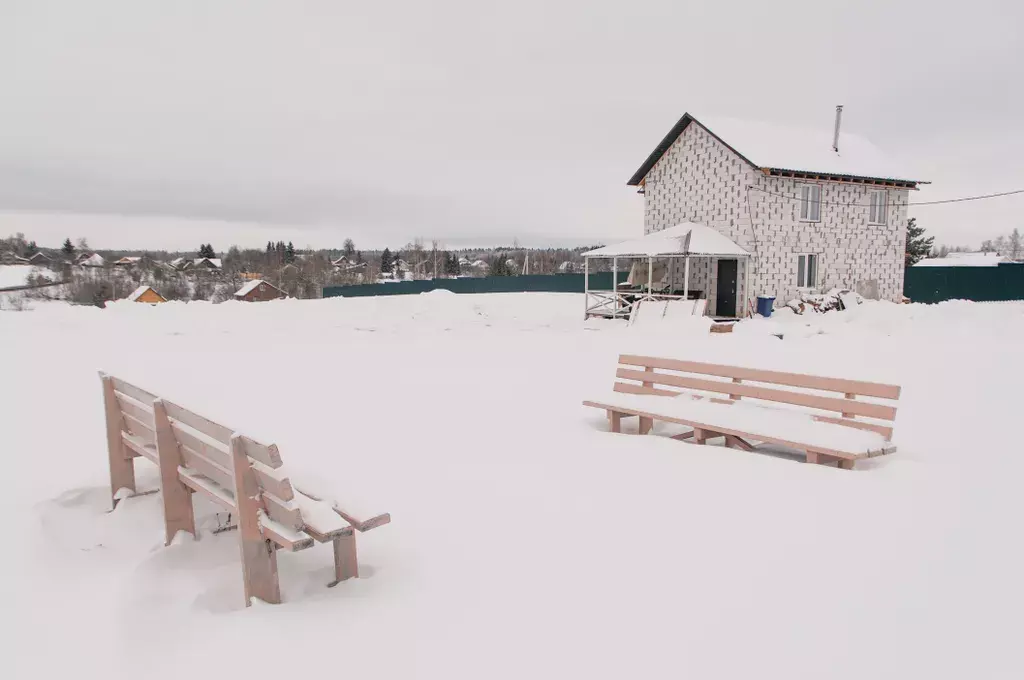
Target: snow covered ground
(527, 542)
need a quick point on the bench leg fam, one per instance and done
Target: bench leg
(846, 464)
(812, 458)
(646, 425)
(614, 421)
(346, 565)
(259, 556)
(177, 498)
(122, 465)
(700, 436)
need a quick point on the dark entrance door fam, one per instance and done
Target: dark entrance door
(727, 270)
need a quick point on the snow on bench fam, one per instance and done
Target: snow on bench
(197, 455)
(690, 393)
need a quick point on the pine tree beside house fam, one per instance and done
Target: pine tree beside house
(68, 248)
(918, 247)
(386, 263)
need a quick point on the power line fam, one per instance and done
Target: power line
(900, 205)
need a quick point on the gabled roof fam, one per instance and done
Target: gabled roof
(781, 149)
(687, 238)
(138, 292)
(253, 285)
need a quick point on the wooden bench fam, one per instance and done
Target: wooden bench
(243, 476)
(745, 404)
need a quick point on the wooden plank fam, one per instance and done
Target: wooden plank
(139, 446)
(207, 447)
(736, 397)
(268, 455)
(632, 388)
(863, 388)
(259, 556)
(122, 467)
(360, 525)
(206, 486)
(883, 430)
(218, 433)
(646, 425)
(273, 482)
(135, 409)
(721, 431)
(863, 408)
(206, 467)
(137, 393)
(346, 564)
(140, 429)
(614, 421)
(284, 512)
(849, 395)
(177, 500)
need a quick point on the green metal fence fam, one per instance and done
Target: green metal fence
(531, 283)
(982, 284)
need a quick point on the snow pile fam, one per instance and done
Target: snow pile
(524, 535)
(818, 303)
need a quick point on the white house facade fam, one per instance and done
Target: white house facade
(839, 224)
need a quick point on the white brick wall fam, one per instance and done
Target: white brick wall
(700, 180)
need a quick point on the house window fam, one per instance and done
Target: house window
(810, 202)
(807, 271)
(879, 203)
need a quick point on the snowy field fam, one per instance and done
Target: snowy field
(526, 542)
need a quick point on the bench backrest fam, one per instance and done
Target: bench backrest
(205, 448)
(668, 377)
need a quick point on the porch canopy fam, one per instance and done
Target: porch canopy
(682, 241)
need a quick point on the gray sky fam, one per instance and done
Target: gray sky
(238, 121)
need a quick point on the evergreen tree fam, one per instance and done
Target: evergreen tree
(31, 249)
(451, 264)
(499, 265)
(386, 263)
(69, 248)
(289, 252)
(359, 257)
(918, 246)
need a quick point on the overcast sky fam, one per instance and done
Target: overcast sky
(238, 121)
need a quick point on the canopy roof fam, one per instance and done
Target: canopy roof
(683, 239)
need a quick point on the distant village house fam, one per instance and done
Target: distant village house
(259, 290)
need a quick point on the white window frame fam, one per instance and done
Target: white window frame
(806, 270)
(879, 209)
(810, 201)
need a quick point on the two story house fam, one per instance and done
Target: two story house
(816, 210)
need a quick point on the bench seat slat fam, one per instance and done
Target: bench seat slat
(861, 387)
(362, 522)
(793, 429)
(285, 536)
(862, 408)
(139, 446)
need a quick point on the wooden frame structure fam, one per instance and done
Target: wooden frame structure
(243, 476)
(663, 377)
(681, 242)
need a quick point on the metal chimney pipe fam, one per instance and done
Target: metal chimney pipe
(839, 119)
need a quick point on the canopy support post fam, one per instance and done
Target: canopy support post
(686, 279)
(615, 287)
(586, 288)
(650, 276)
